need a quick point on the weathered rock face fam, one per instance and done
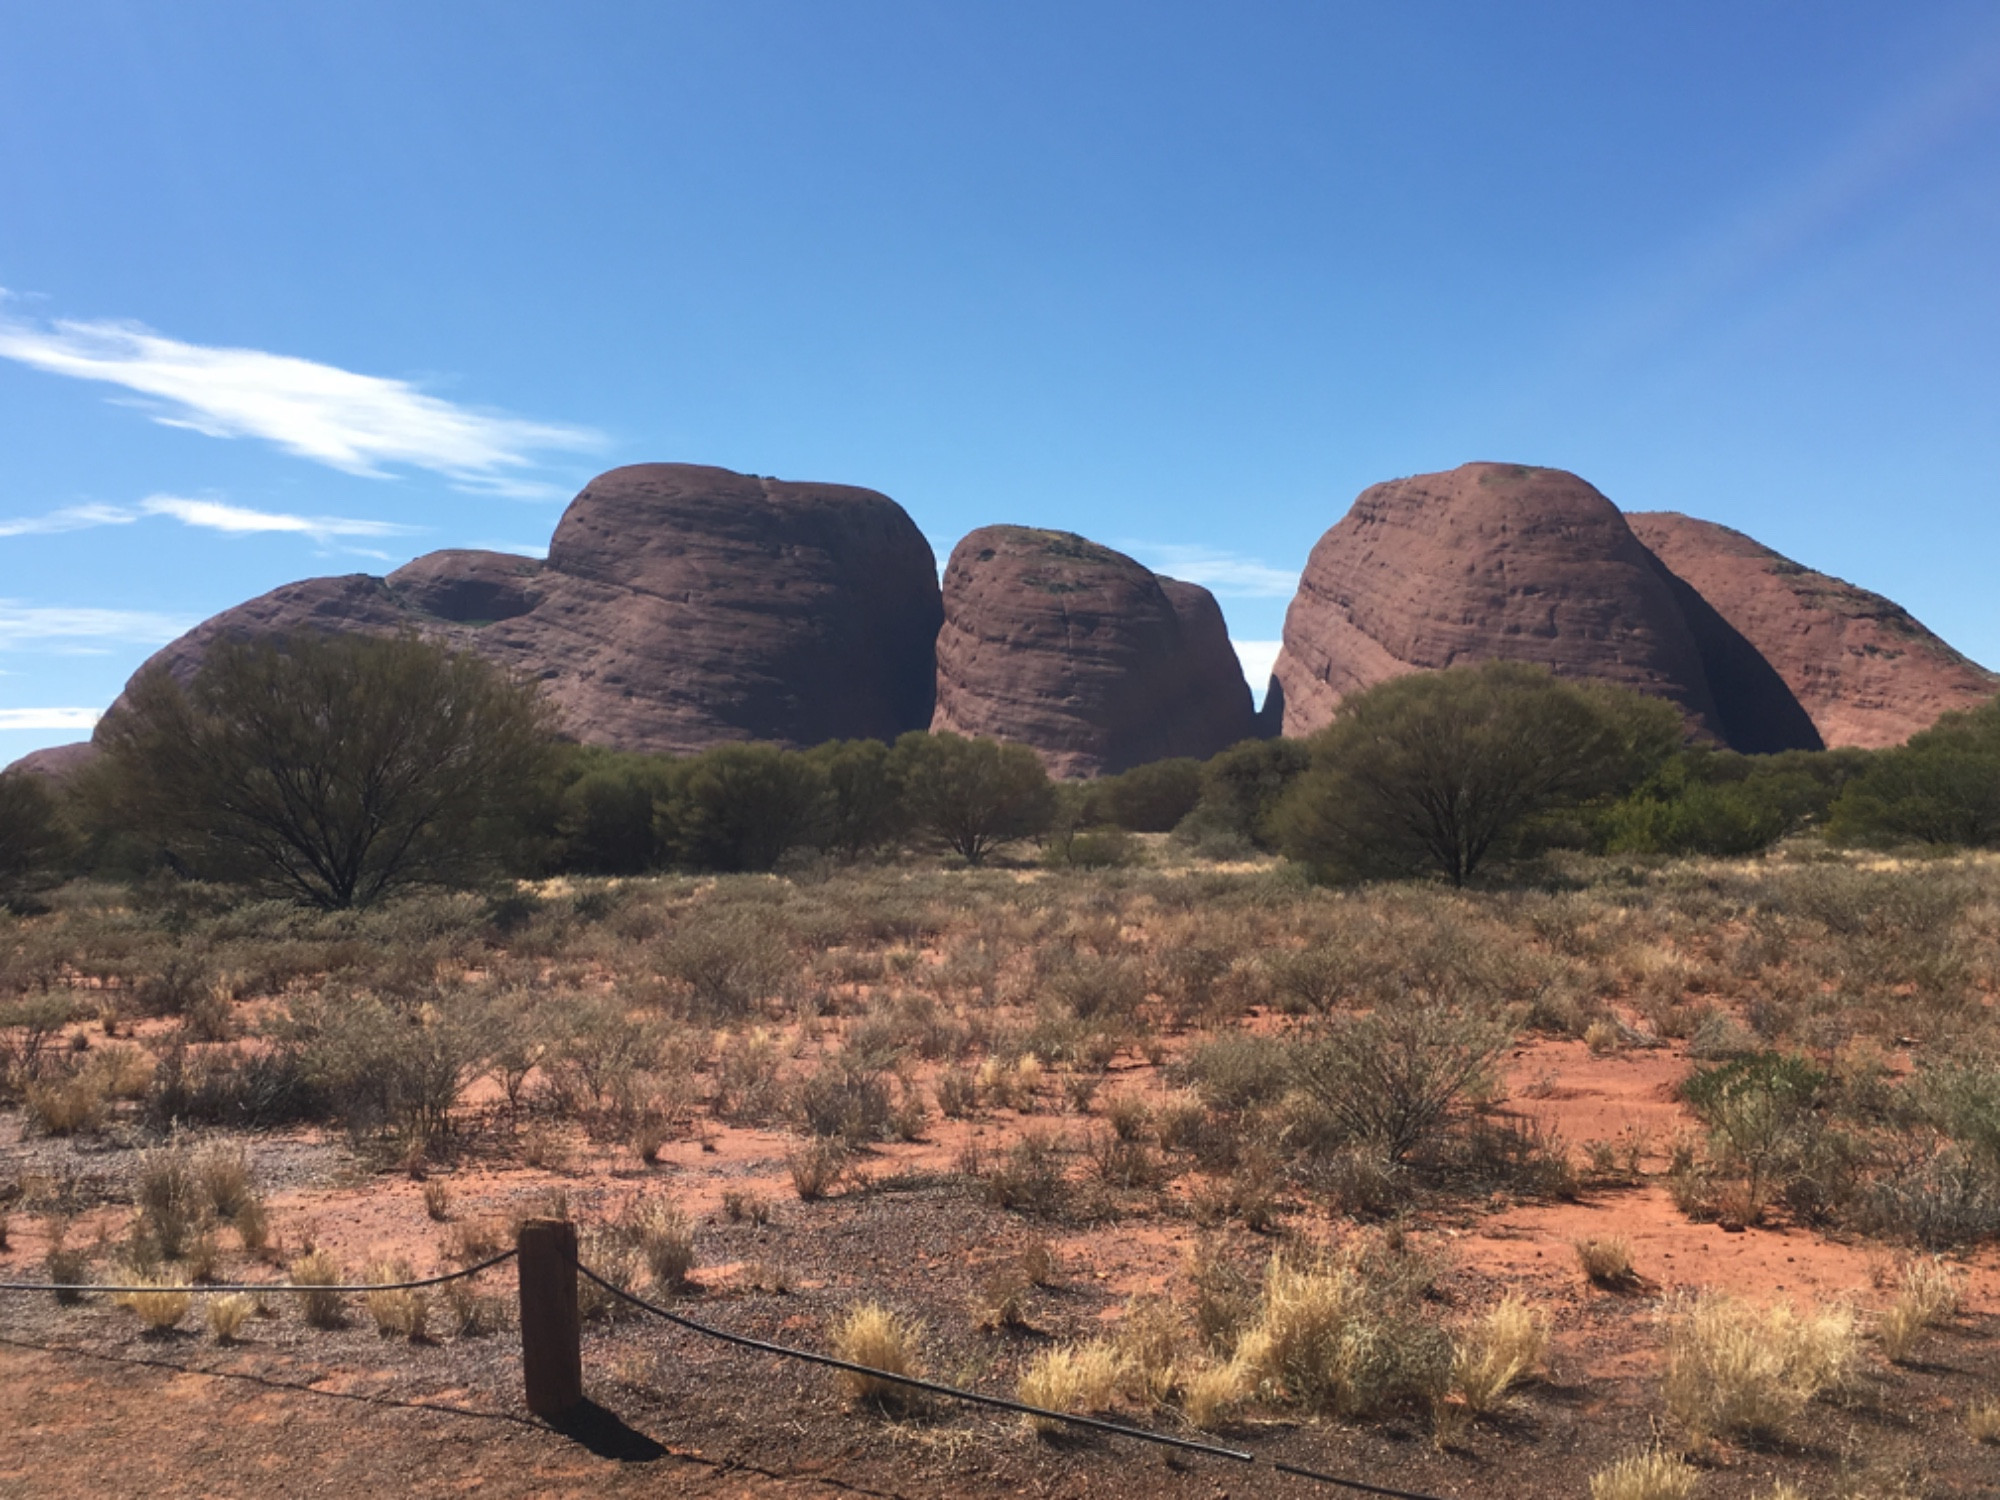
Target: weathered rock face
(57, 761)
(1487, 561)
(1860, 667)
(1078, 651)
(681, 607)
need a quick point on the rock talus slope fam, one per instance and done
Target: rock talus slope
(1481, 562)
(1082, 653)
(680, 607)
(1861, 668)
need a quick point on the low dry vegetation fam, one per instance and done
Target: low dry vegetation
(1690, 1168)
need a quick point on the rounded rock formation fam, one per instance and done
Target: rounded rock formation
(1084, 655)
(1486, 561)
(1859, 667)
(681, 607)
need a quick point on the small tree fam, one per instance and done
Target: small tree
(331, 769)
(35, 847)
(1437, 770)
(973, 796)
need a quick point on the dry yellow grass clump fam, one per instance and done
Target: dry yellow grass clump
(315, 1270)
(161, 1307)
(1645, 1476)
(404, 1313)
(1734, 1370)
(227, 1315)
(1927, 1294)
(1606, 1259)
(1071, 1378)
(1498, 1352)
(872, 1335)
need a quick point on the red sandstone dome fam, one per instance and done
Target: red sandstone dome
(1078, 651)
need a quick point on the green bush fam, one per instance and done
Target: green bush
(605, 823)
(1148, 799)
(1943, 787)
(1438, 771)
(36, 849)
(743, 807)
(1240, 789)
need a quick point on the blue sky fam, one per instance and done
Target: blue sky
(294, 290)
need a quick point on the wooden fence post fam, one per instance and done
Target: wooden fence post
(551, 1327)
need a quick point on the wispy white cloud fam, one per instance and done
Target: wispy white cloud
(50, 718)
(23, 624)
(1258, 658)
(360, 424)
(69, 518)
(241, 520)
(210, 515)
(1225, 573)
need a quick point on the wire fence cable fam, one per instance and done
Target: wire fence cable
(1003, 1403)
(82, 1289)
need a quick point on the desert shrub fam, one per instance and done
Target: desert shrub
(595, 1049)
(1436, 771)
(816, 1168)
(1982, 1421)
(1738, 1371)
(957, 1092)
(1497, 1352)
(872, 1335)
(1651, 1475)
(728, 960)
(1239, 1070)
(1344, 1334)
(664, 1236)
(69, 1105)
(1081, 1378)
(1761, 1110)
(1394, 1078)
(1706, 801)
(1030, 1178)
(29, 1032)
(234, 1087)
(1093, 849)
(398, 1064)
(845, 1098)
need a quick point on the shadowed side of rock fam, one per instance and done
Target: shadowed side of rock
(1860, 667)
